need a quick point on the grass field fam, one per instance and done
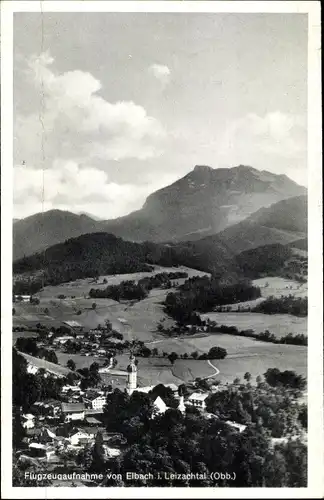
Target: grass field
(139, 320)
(81, 288)
(281, 286)
(278, 324)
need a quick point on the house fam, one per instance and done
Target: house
(73, 411)
(49, 407)
(28, 421)
(198, 399)
(92, 421)
(74, 325)
(81, 434)
(94, 400)
(73, 388)
(22, 298)
(64, 339)
(104, 369)
(236, 426)
(39, 450)
(159, 407)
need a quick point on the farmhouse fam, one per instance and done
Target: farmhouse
(28, 421)
(22, 298)
(198, 399)
(94, 400)
(159, 407)
(236, 426)
(73, 411)
(63, 340)
(40, 450)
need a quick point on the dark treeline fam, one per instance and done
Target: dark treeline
(297, 306)
(131, 290)
(265, 336)
(265, 260)
(203, 294)
(273, 260)
(29, 346)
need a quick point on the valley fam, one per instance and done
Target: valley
(137, 320)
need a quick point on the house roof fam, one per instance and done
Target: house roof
(160, 404)
(92, 421)
(72, 407)
(235, 425)
(200, 396)
(72, 323)
(92, 395)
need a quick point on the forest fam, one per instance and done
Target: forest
(203, 294)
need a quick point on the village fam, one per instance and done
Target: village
(56, 429)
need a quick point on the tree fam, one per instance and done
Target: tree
(172, 357)
(108, 325)
(51, 357)
(155, 351)
(217, 353)
(247, 376)
(94, 367)
(194, 354)
(71, 365)
(94, 305)
(98, 454)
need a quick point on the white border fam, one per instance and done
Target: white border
(315, 487)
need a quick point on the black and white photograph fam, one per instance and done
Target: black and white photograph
(164, 203)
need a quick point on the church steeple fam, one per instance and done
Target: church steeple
(131, 383)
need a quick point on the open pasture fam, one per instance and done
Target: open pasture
(80, 288)
(277, 286)
(245, 353)
(278, 324)
(80, 361)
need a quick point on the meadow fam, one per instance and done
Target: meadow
(278, 324)
(139, 320)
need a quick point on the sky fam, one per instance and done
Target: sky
(110, 107)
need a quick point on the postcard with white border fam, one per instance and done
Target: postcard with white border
(162, 332)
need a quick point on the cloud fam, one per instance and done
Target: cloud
(69, 186)
(74, 121)
(276, 141)
(161, 73)
(274, 133)
(70, 141)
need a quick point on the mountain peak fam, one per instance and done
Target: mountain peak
(203, 168)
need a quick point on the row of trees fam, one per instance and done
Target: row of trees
(131, 290)
(297, 306)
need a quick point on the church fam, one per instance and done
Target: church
(131, 386)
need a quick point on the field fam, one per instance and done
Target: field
(278, 324)
(81, 288)
(139, 320)
(281, 286)
(275, 286)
